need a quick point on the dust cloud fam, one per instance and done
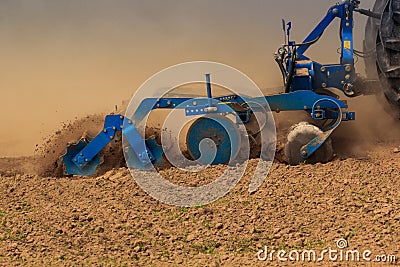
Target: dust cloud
(64, 60)
(375, 126)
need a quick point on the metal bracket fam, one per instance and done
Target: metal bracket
(308, 149)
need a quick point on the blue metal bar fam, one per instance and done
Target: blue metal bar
(318, 30)
(347, 34)
(345, 12)
(138, 145)
(209, 94)
(112, 124)
(148, 104)
(300, 100)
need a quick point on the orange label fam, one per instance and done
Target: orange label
(347, 44)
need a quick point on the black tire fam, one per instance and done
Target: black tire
(382, 58)
(299, 135)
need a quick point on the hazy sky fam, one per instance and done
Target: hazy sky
(65, 58)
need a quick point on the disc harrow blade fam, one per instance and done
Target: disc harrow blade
(72, 168)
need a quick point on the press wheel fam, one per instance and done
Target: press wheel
(300, 135)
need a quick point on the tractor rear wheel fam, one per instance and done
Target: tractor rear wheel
(382, 50)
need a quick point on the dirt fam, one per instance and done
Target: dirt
(110, 221)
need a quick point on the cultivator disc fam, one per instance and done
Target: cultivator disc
(213, 140)
(71, 167)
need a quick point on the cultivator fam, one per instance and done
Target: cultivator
(215, 138)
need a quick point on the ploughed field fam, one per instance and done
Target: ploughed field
(109, 221)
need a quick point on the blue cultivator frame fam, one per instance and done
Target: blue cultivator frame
(306, 88)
